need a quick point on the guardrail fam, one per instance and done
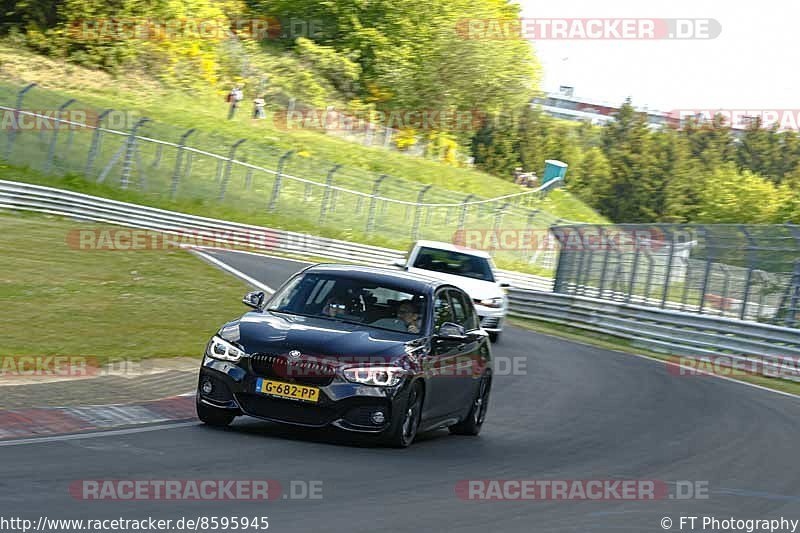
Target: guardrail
(27, 197)
(658, 330)
(774, 348)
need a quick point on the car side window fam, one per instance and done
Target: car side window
(442, 310)
(462, 310)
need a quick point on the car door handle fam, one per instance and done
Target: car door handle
(461, 347)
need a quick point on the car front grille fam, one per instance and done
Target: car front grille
(301, 372)
(490, 322)
(291, 411)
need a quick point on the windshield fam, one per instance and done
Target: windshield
(456, 263)
(338, 298)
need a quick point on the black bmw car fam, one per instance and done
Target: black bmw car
(361, 349)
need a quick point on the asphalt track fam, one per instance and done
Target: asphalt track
(577, 413)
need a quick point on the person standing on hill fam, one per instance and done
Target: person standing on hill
(258, 107)
(234, 97)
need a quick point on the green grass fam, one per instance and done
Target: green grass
(206, 111)
(337, 225)
(618, 344)
(105, 304)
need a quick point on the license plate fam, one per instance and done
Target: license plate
(287, 390)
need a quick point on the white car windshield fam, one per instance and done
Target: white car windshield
(456, 263)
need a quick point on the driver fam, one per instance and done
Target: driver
(335, 306)
(406, 318)
(407, 312)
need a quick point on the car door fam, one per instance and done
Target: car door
(469, 359)
(441, 363)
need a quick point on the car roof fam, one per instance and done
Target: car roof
(450, 247)
(394, 277)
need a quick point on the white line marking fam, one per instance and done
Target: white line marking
(94, 435)
(229, 269)
(259, 254)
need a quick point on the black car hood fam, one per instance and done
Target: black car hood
(279, 333)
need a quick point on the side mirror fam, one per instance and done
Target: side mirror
(254, 299)
(504, 284)
(451, 331)
(401, 263)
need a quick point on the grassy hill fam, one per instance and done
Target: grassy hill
(206, 110)
(246, 196)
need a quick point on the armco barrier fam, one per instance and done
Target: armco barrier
(659, 330)
(26, 197)
(666, 331)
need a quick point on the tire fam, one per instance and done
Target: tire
(213, 416)
(494, 336)
(404, 430)
(472, 424)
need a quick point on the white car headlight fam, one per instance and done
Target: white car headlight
(221, 349)
(497, 303)
(380, 376)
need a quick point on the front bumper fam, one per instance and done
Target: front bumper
(492, 318)
(342, 404)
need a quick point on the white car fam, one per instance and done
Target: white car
(470, 270)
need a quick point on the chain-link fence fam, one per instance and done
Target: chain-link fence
(751, 272)
(162, 163)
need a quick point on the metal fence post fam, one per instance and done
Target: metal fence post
(688, 278)
(498, 220)
(326, 195)
(418, 212)
(750, 268)
(373, 201)
(584, 263)
(12, 135)
(606, 244)
(706, 273)
(632, 281)
(558, 282)
(726, 278)
(248, 176)
(157, 160)
(227, 176)
(668, 272)
(95, 146)
(276, 188)
(51, 152)
(648, 253)
(176, 175)
(462, 216)
(129, 151)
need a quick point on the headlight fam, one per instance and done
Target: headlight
(221, 349)
(492, 302)
(381, 376)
